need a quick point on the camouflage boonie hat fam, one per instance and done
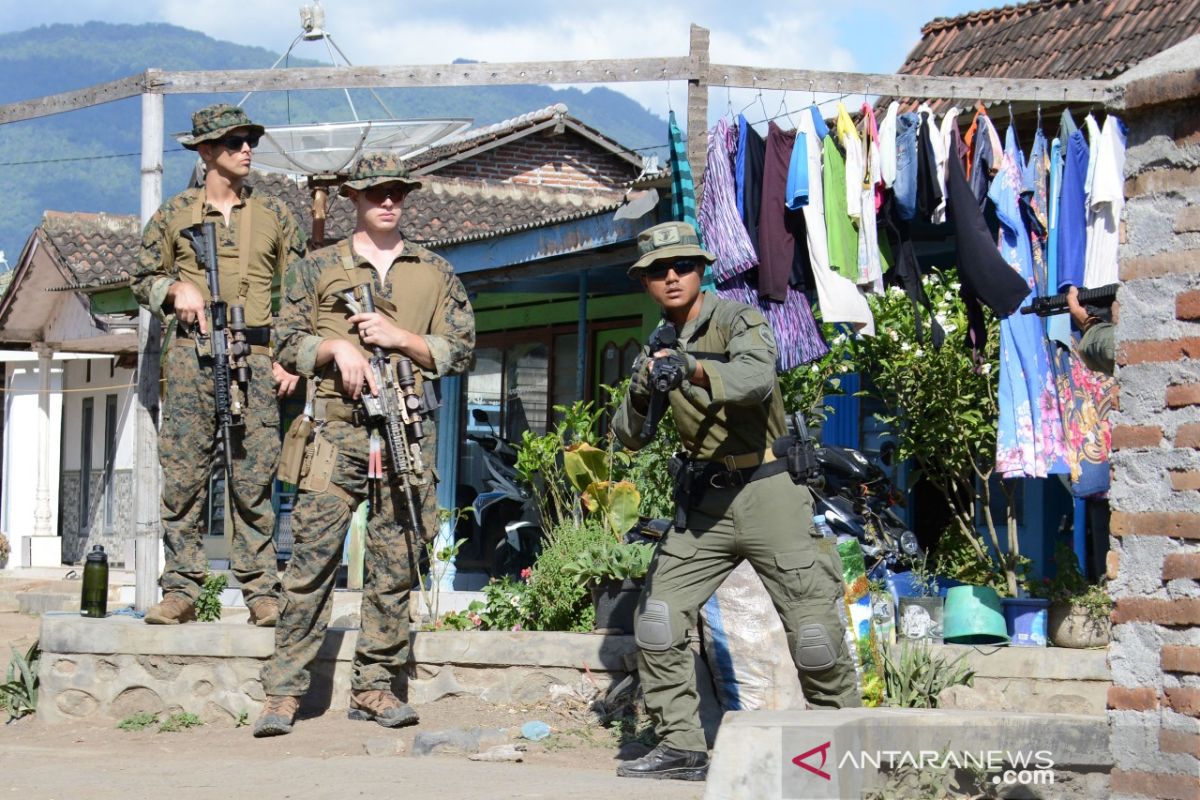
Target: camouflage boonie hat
(667, 241)
(377, 169)
(213, 122)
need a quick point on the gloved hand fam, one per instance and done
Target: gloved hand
(639, 381)
(669, 371)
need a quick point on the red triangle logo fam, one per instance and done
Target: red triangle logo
(823, 749)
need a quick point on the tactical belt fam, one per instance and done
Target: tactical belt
(331, 409)
(734, 471)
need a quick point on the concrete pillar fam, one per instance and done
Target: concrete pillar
(41, 507)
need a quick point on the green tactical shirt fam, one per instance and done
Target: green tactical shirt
(742, 409)
(420, 293)
(1098, 346)
(272, 240)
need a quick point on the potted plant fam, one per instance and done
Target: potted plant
(1080, 612)
(612, 571)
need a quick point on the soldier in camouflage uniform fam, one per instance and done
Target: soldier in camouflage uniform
(256, 238)
(742, 505)
(422, 313)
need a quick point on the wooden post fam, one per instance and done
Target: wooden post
(697, 112)
(146, 470)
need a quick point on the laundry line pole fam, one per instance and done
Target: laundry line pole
(145, 423)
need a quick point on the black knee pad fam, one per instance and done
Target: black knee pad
(653, 629)
(815, 651)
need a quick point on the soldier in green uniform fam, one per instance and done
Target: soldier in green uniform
(741, 504)
(422, 313)
(256, 239)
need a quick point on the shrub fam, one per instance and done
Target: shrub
(19, 692)
(557, 601)
(208, 604)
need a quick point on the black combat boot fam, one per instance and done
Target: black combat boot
(667, 763)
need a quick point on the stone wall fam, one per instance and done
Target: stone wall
(1154, 565)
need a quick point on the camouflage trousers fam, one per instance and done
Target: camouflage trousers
(186, 451)
(319, 523)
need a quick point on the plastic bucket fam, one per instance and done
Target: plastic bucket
(973, 615)
(1026, 618)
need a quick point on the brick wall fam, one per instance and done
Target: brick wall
(567, 160)
(1154, 704)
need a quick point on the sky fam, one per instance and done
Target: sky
(846, 35)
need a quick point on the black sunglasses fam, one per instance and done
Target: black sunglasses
(682, 266)
(235, 141)
(393, 191)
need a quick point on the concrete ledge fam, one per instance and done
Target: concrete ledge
(754, 751)
(529, 648)
(1035, 663)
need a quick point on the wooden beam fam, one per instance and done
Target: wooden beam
(531, 72)
(70, 101)
(936, 87)
(697, 110)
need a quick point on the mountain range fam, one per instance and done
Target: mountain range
(88, 160)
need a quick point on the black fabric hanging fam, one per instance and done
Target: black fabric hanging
(906, 271)
(752, 178)
(929, 190)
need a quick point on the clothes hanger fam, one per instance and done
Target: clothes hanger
(728, 100)
(752, 99)
(783, 110)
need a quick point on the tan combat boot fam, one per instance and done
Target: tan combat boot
(277, 716)
(264, 612)
(383, 707)
(172, 610)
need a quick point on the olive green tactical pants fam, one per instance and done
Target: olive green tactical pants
(186, 451)
(768, 522)
(320, 520)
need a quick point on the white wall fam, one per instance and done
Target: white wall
(98, 388)
(21, 447)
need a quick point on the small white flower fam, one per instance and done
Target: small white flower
(895, 291)
(905, 347)
(815, 368)
(985, 368)
(955, 286)
(845, 367)
(941, 318)
(841, 337)
(920, 352)
(951, 328)
(895, 336)
(948, 296)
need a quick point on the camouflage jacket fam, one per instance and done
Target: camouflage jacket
(274, 240)
(420, 293)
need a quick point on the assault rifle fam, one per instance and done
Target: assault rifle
(398, 409)
(225, 343)
(1093, 299)
(667, 374)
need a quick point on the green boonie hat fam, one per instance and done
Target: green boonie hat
(213, 122)
(376, 169)
(668, 240)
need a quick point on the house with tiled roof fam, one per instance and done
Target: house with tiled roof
(523, 209)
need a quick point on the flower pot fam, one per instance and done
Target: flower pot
(974, 616)
(1072, 626)
(1026, 619)
(615, 603)
(920, 618)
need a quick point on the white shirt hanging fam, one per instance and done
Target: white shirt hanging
(1105, 202)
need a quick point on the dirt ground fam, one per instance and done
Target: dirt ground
(325, 757)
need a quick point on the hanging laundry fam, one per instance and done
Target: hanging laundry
(1058, 326)
(776, 245)
(720, 225)
(906, 165)
(1072, 218)
(929, 190)
(1105, 202)
(798, 190)
(870, 270)
(1029, 433)
(1086, 403)
(937, 214)
(838, 297)
(797, 335)
(683, 194)
(887, 144)
(748, 175)
(839, 228)
(907, 271)
(984, 151)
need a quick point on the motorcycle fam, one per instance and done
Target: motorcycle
(508, 528)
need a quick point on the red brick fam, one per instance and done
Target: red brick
(1188, 436)
(1187, 130)
(1176, 786)
(1179, 742)
(1188, 220)
(1177, 524)
(1127, 436)
(1112, 564)
(1187, 394)
(1141, 352)
(1162, 180)
(1178, 658)
(1170, 262)
(1185, 481)
(1187, 305)
(1185, 701)
(1163, 612)
(1181, 565)
(1124, 698)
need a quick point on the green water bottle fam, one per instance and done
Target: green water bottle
(94, 601)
